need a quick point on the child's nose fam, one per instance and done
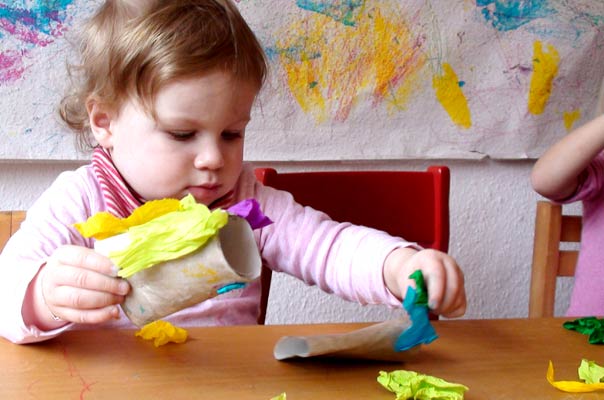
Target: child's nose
(209, 157)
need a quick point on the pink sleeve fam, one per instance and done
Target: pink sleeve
(47, 226)
(340, 258)
(591, 185)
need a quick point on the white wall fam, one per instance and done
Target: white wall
(492, 216)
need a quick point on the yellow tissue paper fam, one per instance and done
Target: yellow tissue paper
(168, 235)
(589, 371)
(411, 385)
(103, 224)
(282, 396)
(162, 332)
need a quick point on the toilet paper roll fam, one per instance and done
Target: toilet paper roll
(229, 257)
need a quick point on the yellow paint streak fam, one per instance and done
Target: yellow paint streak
(330, 67)
(570, 118)
(388, 68)
(545, 69)
(451, 97)
(302, 78)
(383, 64)
(202, 271)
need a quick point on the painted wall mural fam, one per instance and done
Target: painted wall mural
(356, 79)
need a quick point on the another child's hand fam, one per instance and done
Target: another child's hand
(78, 285)
(443, 277)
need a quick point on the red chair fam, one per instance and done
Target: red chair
(411, 204)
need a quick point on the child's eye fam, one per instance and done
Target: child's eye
(231, 135)
(181, 135)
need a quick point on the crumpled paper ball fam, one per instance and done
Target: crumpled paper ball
(162, 332)
(412, 385)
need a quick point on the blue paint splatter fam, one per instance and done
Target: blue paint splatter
(344, 11)
(41, 17)
(507, 15)
(297, 52)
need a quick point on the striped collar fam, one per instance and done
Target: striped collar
(119, 198)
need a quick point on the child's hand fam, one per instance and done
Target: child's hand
(78, 285)
(443, 277)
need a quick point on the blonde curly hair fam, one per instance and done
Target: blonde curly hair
(130, 49)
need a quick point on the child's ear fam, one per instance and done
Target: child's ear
(100, 123)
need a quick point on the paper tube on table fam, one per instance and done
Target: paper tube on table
(229, 257)
(375, 342)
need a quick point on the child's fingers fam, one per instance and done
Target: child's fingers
(82, 278)
(458, 309)
(83, 257)
(80, 267)
(83, 299)
(454, 303)
(75, 304)
(436, 279)
(93, 316)
(443, 278)
(444, 282)
(79, 285)
(453, 298)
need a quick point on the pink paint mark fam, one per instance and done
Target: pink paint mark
(30, 388)
(74, 373)
(58, 30)
(24, 34)
(11, 66)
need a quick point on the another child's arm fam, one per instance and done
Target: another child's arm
(77, 285)
(444, 279)
(557, 173)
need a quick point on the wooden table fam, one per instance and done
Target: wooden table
(496, 359)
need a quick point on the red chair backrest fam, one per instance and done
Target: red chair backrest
(411, 204)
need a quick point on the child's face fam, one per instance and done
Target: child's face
(196, 144)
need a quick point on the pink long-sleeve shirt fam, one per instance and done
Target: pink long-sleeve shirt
(587, 298)
(340, 258)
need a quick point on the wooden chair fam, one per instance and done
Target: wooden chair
(549, 261)
(9, 223)
(410, 204)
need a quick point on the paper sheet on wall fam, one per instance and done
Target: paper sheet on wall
(356, 79)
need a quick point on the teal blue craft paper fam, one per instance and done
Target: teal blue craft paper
(231, 286)
(421, 330)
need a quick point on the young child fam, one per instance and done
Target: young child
(573, 170)
(164, 98)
